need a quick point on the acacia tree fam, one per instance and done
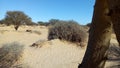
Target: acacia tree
(106, 14)
(17, 18)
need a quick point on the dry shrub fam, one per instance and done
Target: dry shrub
(40, 43)
(10, 54)
(88, 24)
(21, 66)
(69, 31)
(114, 55)
(29, 31)
(113, 51)
(36, 32)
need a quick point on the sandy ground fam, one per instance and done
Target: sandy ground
(50, 54)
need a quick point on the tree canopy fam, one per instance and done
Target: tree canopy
(17, 18)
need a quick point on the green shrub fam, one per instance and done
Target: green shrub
(70, 31)
(9, 54)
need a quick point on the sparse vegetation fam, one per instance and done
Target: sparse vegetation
(53, 22)
(89, 24)
(113, 51)
(42, 23)
(114, 54)
(34, 31)
(67, 30)
(39, 43)
(10, 53)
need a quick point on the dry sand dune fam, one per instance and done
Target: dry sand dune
(54, 54)
(48, 54)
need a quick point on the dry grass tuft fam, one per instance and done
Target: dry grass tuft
(10, 54)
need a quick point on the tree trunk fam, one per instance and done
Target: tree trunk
(99, 37)
(114, 6)
(16, 27)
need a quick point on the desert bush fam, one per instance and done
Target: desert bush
(10, 54)
(34, 31)
(114, 55)
(29, 31)
(88, 24)
(42, 23)
(53, 21)
(70, 31)
(39, 43)
(113, 51)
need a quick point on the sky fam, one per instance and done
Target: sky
(80, 11)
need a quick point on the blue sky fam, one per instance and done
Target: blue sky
(44, 10)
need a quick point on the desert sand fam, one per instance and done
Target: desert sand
(49, 54)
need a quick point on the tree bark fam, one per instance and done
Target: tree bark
(16, 27)
(99, 37)
(114, 7)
